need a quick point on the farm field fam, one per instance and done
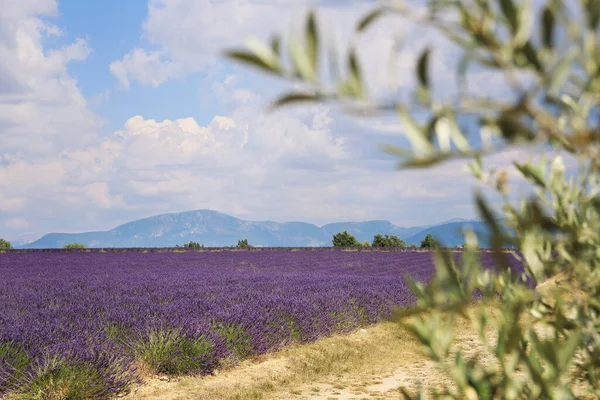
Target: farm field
(93, 324)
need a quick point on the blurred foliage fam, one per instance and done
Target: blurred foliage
(74, 246)
(546, 343)
(5, 245)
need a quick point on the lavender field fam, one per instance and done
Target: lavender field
(90, 321)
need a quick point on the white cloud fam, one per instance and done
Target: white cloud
(15, 9)
(41, 108)
(17, 223)
(189, 35)
(149, 68)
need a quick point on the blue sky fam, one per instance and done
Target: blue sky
(115, 110)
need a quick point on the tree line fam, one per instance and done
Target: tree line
(345, 239)
(342, 239)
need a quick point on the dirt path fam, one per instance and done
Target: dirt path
(371, 363)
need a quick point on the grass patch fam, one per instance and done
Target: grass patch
(236, 338)
(13, 356)
(117, 331)
(58, 379)
(171, 352)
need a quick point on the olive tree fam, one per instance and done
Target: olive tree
(428, 242)
(345, 239)
(388, 241)
(546, 343)
(74, 246)
(243, 243)
(5, 245)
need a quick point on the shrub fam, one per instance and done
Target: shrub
(429, 242)
(388, 241)
(344, 239)
(14, 359)
(236, 339)
(243, 243)
(5, 245)
(169, 351)
(74, 246)
(192, 245)
(58, 378)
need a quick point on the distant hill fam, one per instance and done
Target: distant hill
(366, 230)
(451, 234)
(212, 228)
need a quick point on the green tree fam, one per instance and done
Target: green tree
(388, 241)
(192, 245)
(345, 239)
(366, 244)
(74, 246)
(547, 53)
(428, 242)
(243, 243)
(5, 245)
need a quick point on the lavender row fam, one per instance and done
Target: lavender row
(184, 312)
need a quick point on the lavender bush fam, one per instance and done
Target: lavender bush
(85, 321)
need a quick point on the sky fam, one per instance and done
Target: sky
(116, 110)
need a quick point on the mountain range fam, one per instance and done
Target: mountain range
(212, 228)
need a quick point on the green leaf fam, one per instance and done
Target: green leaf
(561, 72)
(557, 170)
(423, 68)
(312, 41)
(531, 55)
(529, 243)
(353, 65)
(253, 60)
(513, 129)
(423, 162)
(510, 12)
(592, 8)
(446, 269)
(352, 86)
(526, 16)
(463, 66)
(568, 348)
(531, 173)
(301, 61)
(486, 213)
(595, 202)
(444, 132)
(276, 45)
(548, 23)
(414, 133)
(294, 98)
(459, 140)
(369, 18)
(395, 150)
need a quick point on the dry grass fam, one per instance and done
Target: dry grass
(370, 363)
